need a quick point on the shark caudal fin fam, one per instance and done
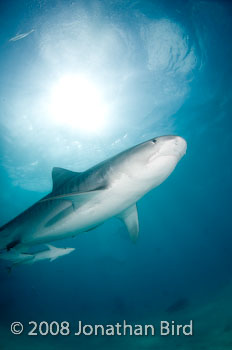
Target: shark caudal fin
(15, 256)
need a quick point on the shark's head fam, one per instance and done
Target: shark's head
(54, 252)
(68, 250)
(174, 146)
(153, 161)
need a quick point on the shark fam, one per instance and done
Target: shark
(18, 258)
(81, 201)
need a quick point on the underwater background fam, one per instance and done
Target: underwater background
(157, 68)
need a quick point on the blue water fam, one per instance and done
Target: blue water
(161, 67)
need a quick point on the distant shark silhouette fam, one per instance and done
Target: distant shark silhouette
(81, 201)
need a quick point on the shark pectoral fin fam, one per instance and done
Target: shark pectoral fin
(52, 259)
(130, 219)
(60, 216)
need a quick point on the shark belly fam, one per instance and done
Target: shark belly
(107, 204)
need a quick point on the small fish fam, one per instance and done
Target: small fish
(18, 258)
(52, 253)
(21, 36)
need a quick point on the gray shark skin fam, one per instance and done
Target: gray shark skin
(79, 202)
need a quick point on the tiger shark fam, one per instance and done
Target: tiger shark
(79, 202)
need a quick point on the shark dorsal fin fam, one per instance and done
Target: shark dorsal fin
(60, 176)
(50, 247)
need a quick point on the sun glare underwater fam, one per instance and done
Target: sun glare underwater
(82, 81)
(77, 103)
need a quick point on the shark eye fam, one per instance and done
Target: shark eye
(154, 140)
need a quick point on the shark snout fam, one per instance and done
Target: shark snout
(181, 145)
(171, 145)
(69, 250)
